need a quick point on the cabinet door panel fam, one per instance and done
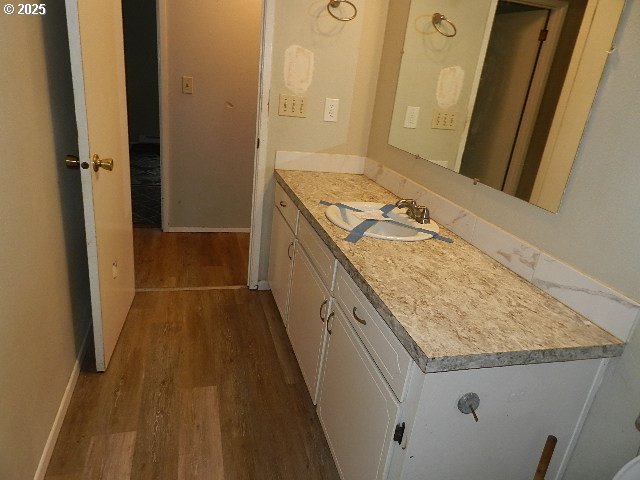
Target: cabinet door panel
(280, 262)
(520, 406)
(305, 325)
(357, 409)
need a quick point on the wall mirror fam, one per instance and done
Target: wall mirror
(500, 90)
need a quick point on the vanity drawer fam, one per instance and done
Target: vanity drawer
(318, 252)
(287, 208)
(389, 355)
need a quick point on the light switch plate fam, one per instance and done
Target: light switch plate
(187, 84)
(292, 106)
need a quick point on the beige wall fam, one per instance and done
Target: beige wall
(347, 56)
(211, 133)
(44, 308)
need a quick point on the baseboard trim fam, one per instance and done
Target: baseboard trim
(263, 285)
(205, 230)
(45, 458)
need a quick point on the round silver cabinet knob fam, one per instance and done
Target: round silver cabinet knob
(469, 403)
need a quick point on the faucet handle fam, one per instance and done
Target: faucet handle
(422, 215)
(406, 202)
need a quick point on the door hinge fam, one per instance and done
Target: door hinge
(258, 144)
(398, 435)
(543, 35)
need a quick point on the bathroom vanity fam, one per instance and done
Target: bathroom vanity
(390, 336)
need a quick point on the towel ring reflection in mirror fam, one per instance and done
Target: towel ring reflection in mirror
(437, 19)
(335, 4)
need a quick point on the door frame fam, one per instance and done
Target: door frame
(163, 80)
(262, 123)
(262, 137)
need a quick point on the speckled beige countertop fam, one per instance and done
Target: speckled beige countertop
(450, 305)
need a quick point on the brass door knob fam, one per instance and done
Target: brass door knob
(98, 163)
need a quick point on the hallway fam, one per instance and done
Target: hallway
(202, 384)
(180, 260)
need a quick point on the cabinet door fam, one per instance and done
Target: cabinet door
(280, 262)
(520, 406)
(357, 409)
(308, 309)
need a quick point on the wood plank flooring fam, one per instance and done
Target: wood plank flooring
(203, 384)
(181, 260)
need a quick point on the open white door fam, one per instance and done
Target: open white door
(97, 66)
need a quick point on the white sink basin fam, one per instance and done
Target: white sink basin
(399, 226)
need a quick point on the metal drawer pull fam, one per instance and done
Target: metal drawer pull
(360, 320)
(329, 320)
(282, 203)
(289, 254)
(321, 307)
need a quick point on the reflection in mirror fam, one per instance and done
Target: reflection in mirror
(485, 92)
(515, 81)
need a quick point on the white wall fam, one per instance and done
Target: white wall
(211, 133)
(44, 295)
(347, 56)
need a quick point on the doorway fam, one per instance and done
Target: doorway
(192, 85)
(520, 54)
(143, 108)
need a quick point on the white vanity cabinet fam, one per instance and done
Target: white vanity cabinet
(282, 250)
(385, 419)
(357, 409)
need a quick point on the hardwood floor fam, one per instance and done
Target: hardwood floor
(202, 385)
(180, 260)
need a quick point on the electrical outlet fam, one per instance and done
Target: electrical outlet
(187, 84)
(292, 106)
(411, 117)
(331, 106)
(444, 120)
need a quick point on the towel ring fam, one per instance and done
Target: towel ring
(336, 4)
(437, 20)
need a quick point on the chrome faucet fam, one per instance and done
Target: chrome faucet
(419, 213)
